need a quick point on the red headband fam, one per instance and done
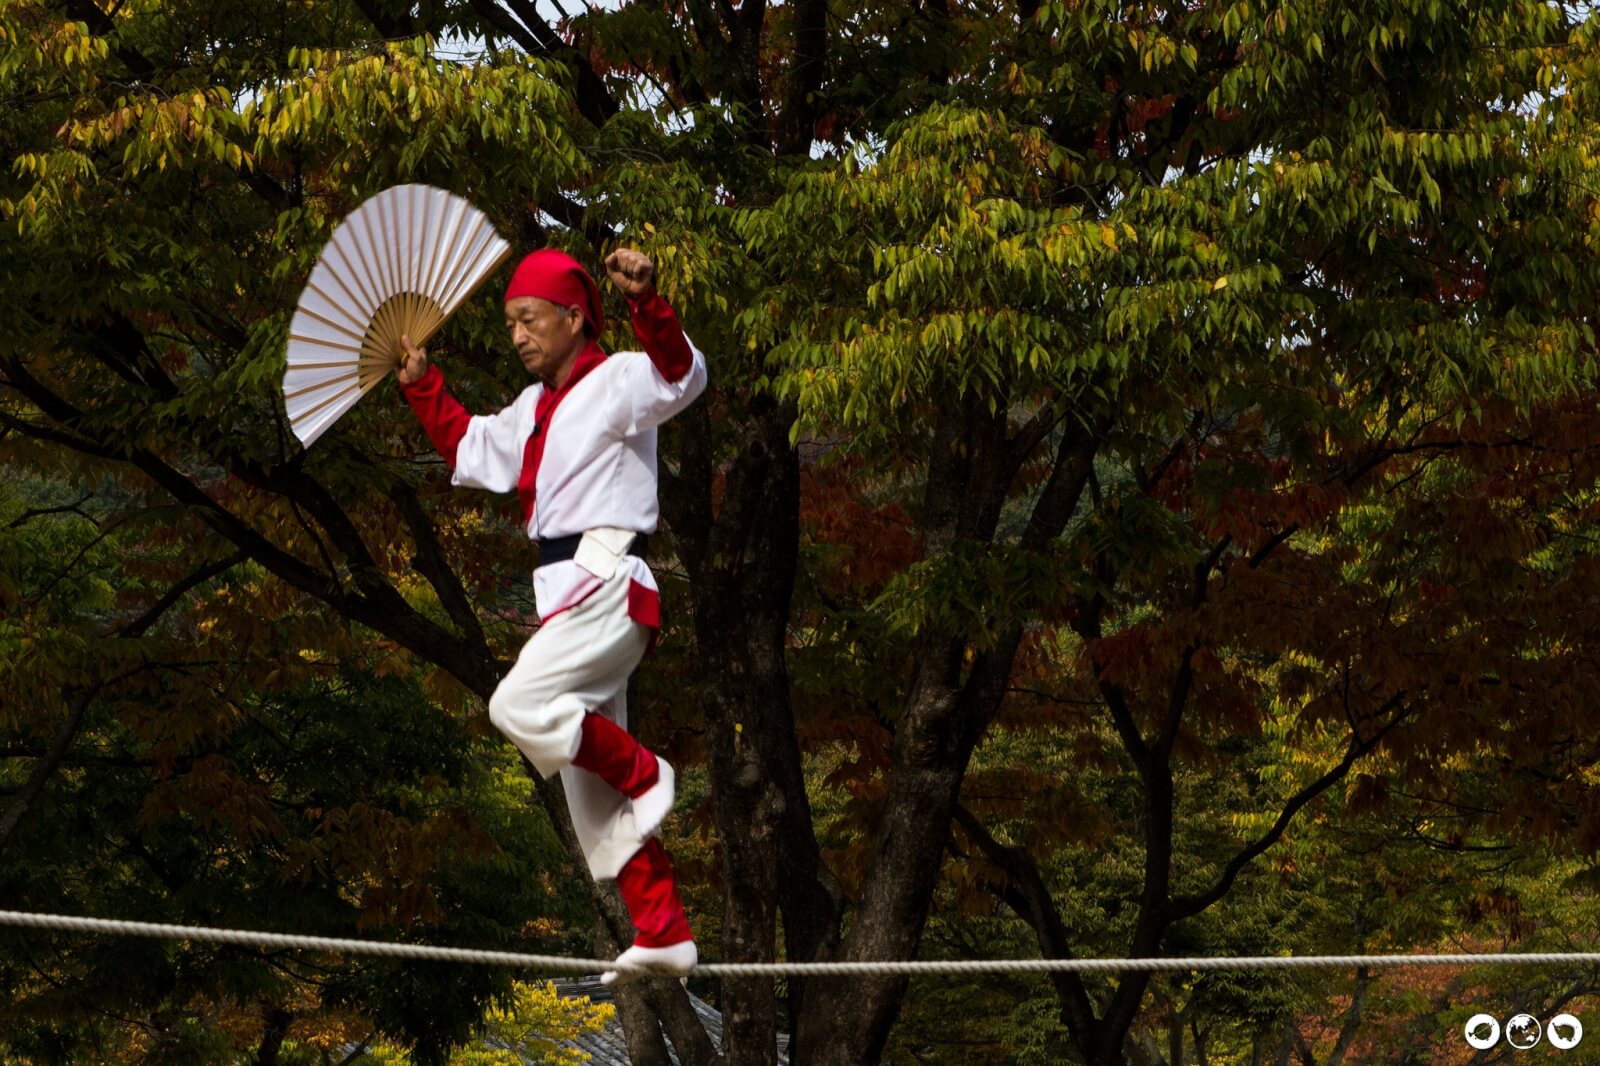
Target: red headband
(556, 276)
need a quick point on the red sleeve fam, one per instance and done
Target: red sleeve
(656, 326)
(442, 416)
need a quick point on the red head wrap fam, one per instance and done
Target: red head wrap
(556, 276)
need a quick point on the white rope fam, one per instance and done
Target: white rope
(563, 964)
(556, 963)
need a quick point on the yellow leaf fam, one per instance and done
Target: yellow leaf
(1221, 283)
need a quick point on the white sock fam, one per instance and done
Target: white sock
(674, 960)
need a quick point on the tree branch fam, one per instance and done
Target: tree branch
(77, 703)
(686, 500)
(572, 215)
(1031, 432)
(500, 20)
(803, 101)
(390, 26)
(431, 564)
(537, 37)
(529, 16)
(78, 444)
(39, 512)
(1026, 894)
(139, 626)
(1187, 906)
(746, 25)
(1073, 467)
(381, 608)
(101, 534)
(1127, 728)
(1352, 1018)
(102, 25)
(1178, 699)
(80, 698)
(1146, 482)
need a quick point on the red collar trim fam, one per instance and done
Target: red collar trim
(544, 409)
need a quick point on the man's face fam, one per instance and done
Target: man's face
(545, 334)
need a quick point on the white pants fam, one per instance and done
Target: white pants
(576, 663)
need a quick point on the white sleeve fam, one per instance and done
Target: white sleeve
(642, 399)
(489, 455)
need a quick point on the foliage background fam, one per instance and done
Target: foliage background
(1144, 505)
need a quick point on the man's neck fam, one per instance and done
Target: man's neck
(564, 371)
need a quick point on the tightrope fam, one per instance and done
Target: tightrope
(565, 964)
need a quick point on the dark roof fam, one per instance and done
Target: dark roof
(608, 1047)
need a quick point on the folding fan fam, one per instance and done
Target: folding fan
(399, 265)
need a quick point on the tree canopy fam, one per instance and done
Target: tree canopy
(1143, 505)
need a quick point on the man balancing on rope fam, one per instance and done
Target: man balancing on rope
(579, 447)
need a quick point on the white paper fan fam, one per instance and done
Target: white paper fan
(400, 264)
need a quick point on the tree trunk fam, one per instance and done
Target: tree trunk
(666, 999)
(934, 741)
(641, 1029)
(743, 565)
(749, 805)
(954, 694)
(277, 1029)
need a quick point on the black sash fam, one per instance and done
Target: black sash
(560, 549)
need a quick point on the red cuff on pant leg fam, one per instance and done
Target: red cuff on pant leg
(611, 753)
(648, 888)
(644, 605)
